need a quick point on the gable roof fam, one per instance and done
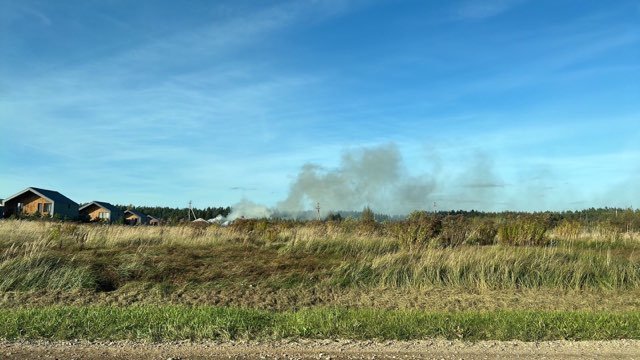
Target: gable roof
(152, 217)
(102, 204)
(50, 195)
(136, 213)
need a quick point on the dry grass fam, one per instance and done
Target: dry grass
(285, 265)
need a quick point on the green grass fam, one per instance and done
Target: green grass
(162, 323)
(44, 272)
(348, 280)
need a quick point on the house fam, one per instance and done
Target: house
(132, 217)
(101, 211)
(32, 201)
(153, 221)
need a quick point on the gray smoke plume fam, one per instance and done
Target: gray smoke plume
(250, 210)
(374, 177)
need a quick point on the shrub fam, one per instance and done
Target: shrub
(483, 232)
(454, 230)
(523, 230)
(419, 229)
(568, 229)
(334, 217)
(367, 215)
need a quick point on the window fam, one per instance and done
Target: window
(103, 215)
(47, 208)
(40, 208)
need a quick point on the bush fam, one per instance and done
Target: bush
(483, 232)
(334, 217)
(568, 229)
(367, 216)
(523, 230)
(454, 231)
(418, 230)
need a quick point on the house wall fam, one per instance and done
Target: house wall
(117, 215)
(30, 203)
(66, 210)
(94, 212)
(132, 219)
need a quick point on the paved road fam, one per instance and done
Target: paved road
(323, 349)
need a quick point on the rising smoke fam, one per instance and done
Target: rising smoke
(248, 209)
(379, 178)
(376, 177)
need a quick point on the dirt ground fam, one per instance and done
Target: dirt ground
(323, 349)
(263, 297)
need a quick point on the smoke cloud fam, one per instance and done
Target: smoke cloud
(250, 210)
(376, 177)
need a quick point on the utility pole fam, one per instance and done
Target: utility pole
(318, 210)
(435, 207)
(190, 212)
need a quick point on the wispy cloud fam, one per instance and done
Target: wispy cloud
(44, 19)
(241, 101)
(12, 13)
(169, 107)
(483, 9)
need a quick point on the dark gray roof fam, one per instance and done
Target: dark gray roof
(102, 204)
(54, 196)
(136, 213)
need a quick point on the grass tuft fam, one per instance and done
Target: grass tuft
(166, 323)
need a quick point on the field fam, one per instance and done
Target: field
(452, 277)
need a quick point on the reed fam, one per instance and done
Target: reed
(64, 256)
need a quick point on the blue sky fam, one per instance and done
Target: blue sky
(506, 104)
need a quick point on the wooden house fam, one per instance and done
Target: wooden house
(32, 201)
(153, 221)
(101, 211)
(132, 217)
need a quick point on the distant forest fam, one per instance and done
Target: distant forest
(628, 219)
(176, 215)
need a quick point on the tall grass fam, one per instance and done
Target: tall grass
(425, 250)
(493, 268)
(44, 272)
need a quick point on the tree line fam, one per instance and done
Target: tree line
(176, 215)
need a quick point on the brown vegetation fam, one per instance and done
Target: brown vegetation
(427, 261)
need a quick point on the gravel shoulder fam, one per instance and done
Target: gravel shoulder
(322, 349)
